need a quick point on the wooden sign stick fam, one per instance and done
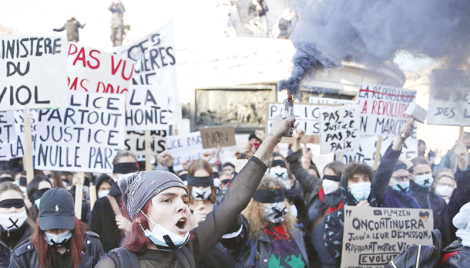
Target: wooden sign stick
(148, 151)
(79, 194)
(93, 197)
(28, 158)
(377, 153)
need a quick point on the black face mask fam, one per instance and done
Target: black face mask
(38, 194)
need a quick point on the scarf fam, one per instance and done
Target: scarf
(394, 199)
(333, 200)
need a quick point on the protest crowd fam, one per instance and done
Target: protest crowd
(94, 172)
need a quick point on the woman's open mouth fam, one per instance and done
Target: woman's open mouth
(181, 224)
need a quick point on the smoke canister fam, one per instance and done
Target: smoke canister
(288, 112)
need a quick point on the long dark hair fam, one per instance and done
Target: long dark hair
(77, 244)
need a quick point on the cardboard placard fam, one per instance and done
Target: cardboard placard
(147, 108)
(85, 136)
(383, 109)
(339, 129)
(155, 59)
(213, 135)
(95, 71)
(8, 137)
(449, 98)
(316, 100)
(135, 142)
(374, 236)
(33, 72)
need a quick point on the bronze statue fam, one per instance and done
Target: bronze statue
(71, 26)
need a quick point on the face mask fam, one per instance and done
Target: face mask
(293, 210)
(360, 191)
(330, 186)
(444, 190)
(37, 202)
(59, 239)
(275, 212)
(12, 221)
(124, 176)
(163, 238)
(103, 193)
(401, 187)
(278, 172)
(201, 194)
(424, 180)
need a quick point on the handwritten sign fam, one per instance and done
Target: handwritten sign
(8, 136)
(147, 108)
(374, 236)
(135, 141)
(154, 55)
(85, 136)
(211, 136)
(97, 71)
(33, 72)
(339, 129)
(449, 98)
(316, 100)
(383, 109)
(307, 116)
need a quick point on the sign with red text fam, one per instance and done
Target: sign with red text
(373, 237)
(33, 72)
(383, 109)
(316, 100)
(147, 108)
(339, 129)
(85, 136)
(155, 64)
(95, 71)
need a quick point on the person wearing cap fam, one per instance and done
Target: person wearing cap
(157, 203)
(35, 190)
(15, 224)
(59, 238)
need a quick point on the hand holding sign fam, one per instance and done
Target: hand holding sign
(461, 152)
(405, 131)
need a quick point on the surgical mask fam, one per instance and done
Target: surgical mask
(201, 194)
(278, 172)
(293, 210)
(57, 239)
(13, 221)
(103, 193)
(444, 190)
(124, 176)
(402, 186)
(37, 202)
(360, 191)
(160, 236)
(330, 186)
(424, 180)
(275, 212)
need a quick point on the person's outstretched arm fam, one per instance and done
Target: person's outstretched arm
(59, 29)
(209, 232)
(387, 162)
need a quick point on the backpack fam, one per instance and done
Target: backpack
(420, 256)
(128, 259)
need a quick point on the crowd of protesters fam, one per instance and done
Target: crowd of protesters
(275, 211)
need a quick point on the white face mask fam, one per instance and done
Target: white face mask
(124, 176)
(424, 180)
(159, 233)
(201, 194)
(13, 221)
(278, 172)
(360, 191)
(330, 186)
(59, 239)
(444, 190)
(275, 212)
(103, 193)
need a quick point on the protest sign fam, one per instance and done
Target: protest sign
(85, 136)
(33, 72)
(188, 146)
(374, 236)
(135, 142)
(382, 109)
(211, 136)
(449, 98)
(154, 55)
(367, 148)
(96, 71)
(147, 108)
(8, 137)
(339, 129)
(316, 100)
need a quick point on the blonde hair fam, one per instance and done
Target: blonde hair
(255, 214)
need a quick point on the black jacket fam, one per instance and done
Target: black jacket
(27, 255)
(427, 198)
(6, 251)
(460, 197)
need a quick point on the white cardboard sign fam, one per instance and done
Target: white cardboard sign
(383, 109)
(316, 100)
(85, 136)
(307, 116)
(339, 129)
(135, 141)
(8, 137)
(33, 72)
(147, 108)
